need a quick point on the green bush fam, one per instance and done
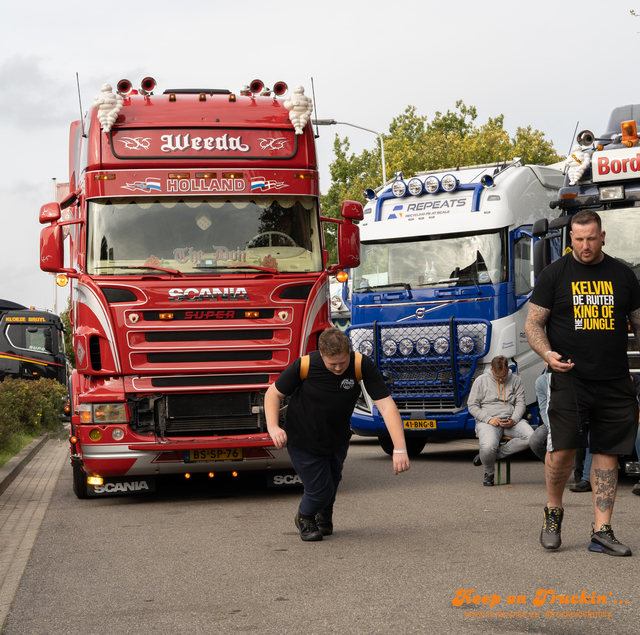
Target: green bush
(29, 407)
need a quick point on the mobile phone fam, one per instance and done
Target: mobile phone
(504, 419)
(563, 360)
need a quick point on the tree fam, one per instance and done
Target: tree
(414, 145)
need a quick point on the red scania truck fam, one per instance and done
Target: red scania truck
(198, 274)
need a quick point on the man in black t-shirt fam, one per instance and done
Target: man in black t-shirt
(577, 323)
(317, 425)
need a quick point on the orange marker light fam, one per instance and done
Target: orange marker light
(251, 314)
(187, 475)
(629, 132)
(234, 474)
(166, 316)
(342, 276)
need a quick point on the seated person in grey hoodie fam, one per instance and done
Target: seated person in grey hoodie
(497, 403)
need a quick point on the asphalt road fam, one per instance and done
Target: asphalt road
(225, 557)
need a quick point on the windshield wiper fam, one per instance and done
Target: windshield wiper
(405, 285)
(216, 268)
(174, 272)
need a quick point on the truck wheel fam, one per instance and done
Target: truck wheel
(79, 481)
(386, 444)
(414, 446)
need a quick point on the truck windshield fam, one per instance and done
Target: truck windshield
(434, 261)
(622, 227)
(203, 235)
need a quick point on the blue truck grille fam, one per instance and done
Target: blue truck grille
(425, 360)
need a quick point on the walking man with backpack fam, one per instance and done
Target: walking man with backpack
(324, 387)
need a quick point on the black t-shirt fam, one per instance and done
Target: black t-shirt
(319, 414)
(589, 305)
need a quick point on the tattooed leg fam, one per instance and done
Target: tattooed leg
(605, 482)
(558, 466)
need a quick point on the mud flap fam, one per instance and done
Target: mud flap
(283, 478)
(119, 485)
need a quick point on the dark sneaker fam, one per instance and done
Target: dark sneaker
(324, 521)
(581, 486)
(309, 531)
(636, 489)
(488, 480)
(604, 541)
(477, 461)
(550, 534)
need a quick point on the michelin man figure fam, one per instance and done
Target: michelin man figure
(577, 162)
(301, 108)
(108, 106)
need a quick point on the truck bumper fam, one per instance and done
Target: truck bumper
(448, 425)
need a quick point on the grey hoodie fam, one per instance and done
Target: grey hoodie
(489, 398)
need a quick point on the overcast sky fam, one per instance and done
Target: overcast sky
(548, 64)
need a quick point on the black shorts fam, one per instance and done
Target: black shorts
(599, 414)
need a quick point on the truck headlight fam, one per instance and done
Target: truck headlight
(109, 413)
(441, 345)
(466, 344)
(389, 348)
(366, 348)
(336, 301)
(406, 347)
(102, 413)
(423, 346)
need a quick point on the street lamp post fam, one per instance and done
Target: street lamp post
(333, 122)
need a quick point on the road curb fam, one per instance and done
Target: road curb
(14, 465)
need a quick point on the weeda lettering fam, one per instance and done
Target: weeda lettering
(224, 143)
(593, 305)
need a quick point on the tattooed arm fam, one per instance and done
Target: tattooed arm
(538, 340)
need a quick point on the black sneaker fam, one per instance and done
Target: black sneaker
(581, 486)
(488, 480)
(604, 541)
(309, 531)
(324, 521)
(550, 534)
(477, 461)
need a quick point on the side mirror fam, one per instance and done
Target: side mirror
(540, 227)
(50, 212)
(51, 249)
(348, 245)
(541, 256)
(352, 210)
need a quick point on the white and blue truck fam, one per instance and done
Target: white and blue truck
(443, 286)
